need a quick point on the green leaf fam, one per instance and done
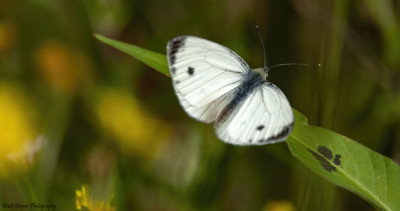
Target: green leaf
(152, 59)
(332, 156)
(347, 163)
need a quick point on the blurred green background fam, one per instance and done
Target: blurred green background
(83, 126)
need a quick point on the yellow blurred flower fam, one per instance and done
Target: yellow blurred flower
(279, 206)
(17, 135)
(84, 199)
(63, 68)
(131, 125)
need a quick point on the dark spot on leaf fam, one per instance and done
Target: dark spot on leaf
(261, 140)
(328, 167)
(317, 156)
(336, 161)
(326, 158)
(323, 161)
(325, 152)
(190, 70)
(260, 127)
(251, 140)
(177, 82)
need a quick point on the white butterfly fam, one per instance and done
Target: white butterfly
(214, 84)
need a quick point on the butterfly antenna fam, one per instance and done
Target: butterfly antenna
(292, 64)
(262, 43)
(266, 69)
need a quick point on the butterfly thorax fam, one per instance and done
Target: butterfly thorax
(261, 71)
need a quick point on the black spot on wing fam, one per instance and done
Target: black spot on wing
(190, 70)
(284, 132)
(260, 127)
(337, 161)
(173, 70)
(173, 51)
(172, 59)
(173, 48)
(176, 44)
(325, 152)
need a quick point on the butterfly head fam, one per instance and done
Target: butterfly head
(262, 71)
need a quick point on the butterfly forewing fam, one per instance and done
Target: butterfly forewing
(265, 116)
(204, 75)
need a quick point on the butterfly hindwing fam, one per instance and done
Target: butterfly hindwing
(204, 75)
(265, 116)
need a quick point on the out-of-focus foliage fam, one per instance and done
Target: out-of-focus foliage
(279, 206)
(56, 75)
(62, 68)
